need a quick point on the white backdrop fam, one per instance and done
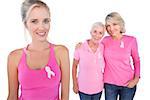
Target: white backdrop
(71, 22)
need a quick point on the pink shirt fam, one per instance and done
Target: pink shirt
(91, 65)
(118, 54)
(36, 84)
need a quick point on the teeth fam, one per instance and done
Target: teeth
(41, 33)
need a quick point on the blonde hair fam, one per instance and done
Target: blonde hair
(28, 5)
(116, 17)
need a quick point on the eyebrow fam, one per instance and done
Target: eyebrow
(37, 18)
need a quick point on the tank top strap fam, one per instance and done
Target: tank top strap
(24, 52)
(52, 54)
(23, 58)
(25, 49)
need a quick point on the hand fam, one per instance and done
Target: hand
(133, 82)
(78, 45)
(75, 88)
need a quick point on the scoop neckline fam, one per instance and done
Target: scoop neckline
(118, 39)
(38, 69)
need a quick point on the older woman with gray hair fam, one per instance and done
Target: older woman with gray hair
(89, 82)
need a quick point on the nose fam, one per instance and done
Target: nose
(97, 34)
(111, 28)
(41, 26)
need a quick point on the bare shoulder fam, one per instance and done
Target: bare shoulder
(14, 56)
(15, 53)
(61, 52)
(61, 49)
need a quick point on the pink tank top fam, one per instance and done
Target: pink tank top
(42, 84)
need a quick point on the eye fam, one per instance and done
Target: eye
(115, 24)
(100, 33)
(94, 31)
(34, 21)
(46, 21)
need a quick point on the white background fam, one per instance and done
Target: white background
(71, 22)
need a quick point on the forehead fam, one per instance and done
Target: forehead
(112, 21)
(98, 28)
(39, 12)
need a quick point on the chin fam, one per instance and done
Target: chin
(113, 34)
(96, 41)
(42, 39)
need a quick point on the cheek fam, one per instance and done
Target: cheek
(100, 36)
(47, 27)
(93, 34)
(120, 28)
(96, 36)
(30, 27)
(108, 29)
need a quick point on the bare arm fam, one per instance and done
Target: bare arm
(12, 65)
(64, 63)
(74, 76)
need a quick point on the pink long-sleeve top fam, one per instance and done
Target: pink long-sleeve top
(118, 54)
(91, 65)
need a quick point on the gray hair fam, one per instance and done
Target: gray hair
(97, 24)
(27, 6)
(116, 16)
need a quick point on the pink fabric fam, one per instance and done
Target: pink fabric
(35, 84)
(118, 54)
(91, 65)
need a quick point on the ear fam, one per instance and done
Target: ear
(104, 29)
(91, 32)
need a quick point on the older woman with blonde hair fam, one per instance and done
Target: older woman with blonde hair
(119, 77)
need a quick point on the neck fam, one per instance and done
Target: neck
(93, 43)
(117, 37)
(38, 46)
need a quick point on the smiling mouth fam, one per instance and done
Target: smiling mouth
(41, 33)
(112, 32)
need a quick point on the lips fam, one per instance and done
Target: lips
(41, 33)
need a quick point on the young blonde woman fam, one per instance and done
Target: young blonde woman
(40, 67)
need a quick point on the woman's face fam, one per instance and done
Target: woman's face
(113, 27)
(38, 23)
(97, 33)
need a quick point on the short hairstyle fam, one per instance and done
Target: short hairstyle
(116, 17)
(97, 24)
